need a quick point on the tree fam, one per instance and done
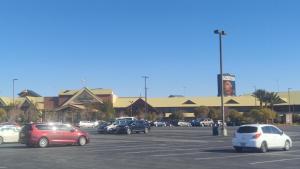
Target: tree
(260, 94)
(3, 116)
(201, 112)
(272, 98)
(235, 116)
(214, 114)
(260, 115)
(253, 116)
(152, 116)
(108, 110)
(268, 98)
(268, 114)
(178, 115)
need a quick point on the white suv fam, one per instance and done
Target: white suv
(262, 137)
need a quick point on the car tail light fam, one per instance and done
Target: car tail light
(257, 135)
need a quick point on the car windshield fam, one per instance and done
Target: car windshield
(247, 129)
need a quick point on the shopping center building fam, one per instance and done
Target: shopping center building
(85, 104)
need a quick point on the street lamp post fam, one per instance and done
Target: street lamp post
(131, 102)
(222, 33)
(13, 103)
(146, 106)
(289, 99)
(255, 97)
(15, 79)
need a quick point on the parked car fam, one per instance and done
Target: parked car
(220, 123)
(88, 124)
(262, 137)
(195, 123)
(103, 127)
(160, 124)
(7, 124)
(9, 134)
(126, 118)
(184, 124)
(207, 122)
(135, 126)
(45, 134)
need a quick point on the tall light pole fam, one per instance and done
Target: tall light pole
(289, 99)
(15, 79)
(131, 102)
(222, 33)
(146, 104)
(255, 97)
(13, 103)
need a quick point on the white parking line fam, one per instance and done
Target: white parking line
(177, 154)
(129, 146)
(271, 161)
(177, 149)
(120, 149)
(152, 148)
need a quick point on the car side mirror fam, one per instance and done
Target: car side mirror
(72, 130)
(281, 133)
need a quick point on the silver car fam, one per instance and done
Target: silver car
(9, 134)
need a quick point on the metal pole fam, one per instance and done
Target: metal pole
(131, 102)
(146, 103)
(289, 99)
(14, 92)
(255, 97)
(220, 33)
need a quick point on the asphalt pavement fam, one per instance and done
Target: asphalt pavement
(162, 148)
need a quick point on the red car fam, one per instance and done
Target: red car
(45, 134)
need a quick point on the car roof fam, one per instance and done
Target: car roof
(257, 125)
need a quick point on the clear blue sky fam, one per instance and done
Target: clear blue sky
(52, 45)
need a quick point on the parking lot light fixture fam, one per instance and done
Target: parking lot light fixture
(222, 33)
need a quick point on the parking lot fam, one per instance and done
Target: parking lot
(161, 148)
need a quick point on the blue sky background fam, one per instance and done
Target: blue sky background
(52, 45)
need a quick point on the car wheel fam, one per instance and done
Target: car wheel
(146, 131)
(287, 146)
(128, 131)
(238, 149)
(263, 147)
(1, 140)
(43, 142)
(82, 141)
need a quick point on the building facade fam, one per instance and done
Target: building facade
(91, 104)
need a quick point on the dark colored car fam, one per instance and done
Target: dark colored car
(134, 126)
(195, 123)
(102, 128)
(45, 134)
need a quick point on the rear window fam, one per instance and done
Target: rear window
(247, 129)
